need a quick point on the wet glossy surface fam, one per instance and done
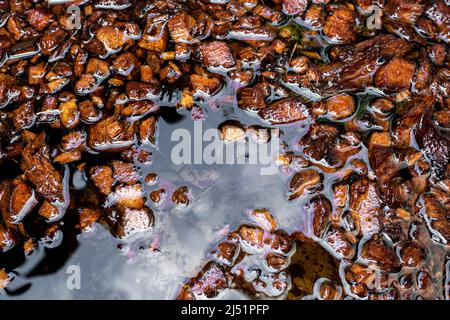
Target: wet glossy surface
(183, 236)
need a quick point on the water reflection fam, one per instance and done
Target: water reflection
(131, 269)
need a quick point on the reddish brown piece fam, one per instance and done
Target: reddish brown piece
(285, 111)
(395, 75)
(216, 54)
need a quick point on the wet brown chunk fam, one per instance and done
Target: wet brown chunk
(51, 39)
(366, 205)
(48, 210)
(299, 64)
(251, 236)
(327, 147)
(423, 74)
(226, 252)
(303, 182)
(320, 208)
(340, 24)
(68, 157)
(216, 54)
(412, 255)
(383, 105)
(281, 242)
(180, 196)
(268, 13)
(125, 64)
(36, 73)
(17, 200)
(209, 283)
(205, 85)
(86, 84)
(88, 112)
(407, 11)
(180, 27)
(147, 130)
(4, 278)
(139, 155)
(340, 106)
(24, 116)
(110, 134)
(276, 262)
(69, 114)
(138, 109)
(294, 7)
(102, 177)
(439, 13)
(128, 196)
(375, 250)
(111, 37)
(285, 111)
(38, 18)
(358, 277)
(264, 218)
(87, 217)
(310, 263)
(231, 131)
(358, 62)
(254, 99)
(443, 118)
(155, 36)
(438, 218)
(314, 16)
(339, 243)
(132, 221)
(151, 178)
(73, 140)
(137, 91)
(329, 291)
(97, 67)
(124, 172)
(7, 239)
(435, 145)
(359, 93)
(438, 53)
(40, 171)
